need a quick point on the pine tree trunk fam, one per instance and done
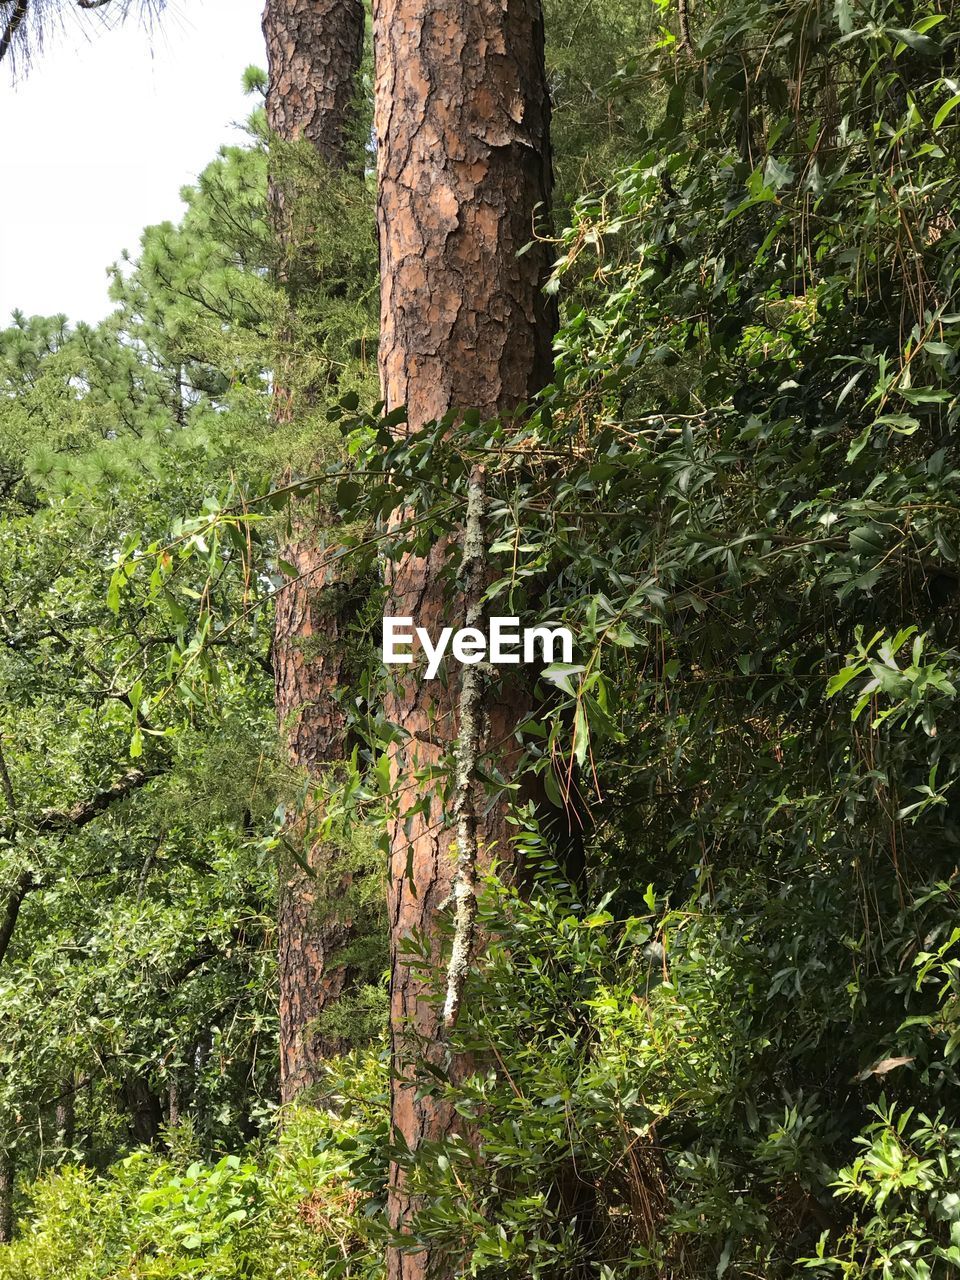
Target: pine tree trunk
(7, 1180)
(462, 121)
(314, 50)
(310, 663)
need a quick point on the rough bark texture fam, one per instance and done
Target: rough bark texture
(462, 123)
(314, 50)
(7, 1179)
(311, 663)
(174, 1104)
(64, 1119)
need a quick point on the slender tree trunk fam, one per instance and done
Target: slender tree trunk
(314, 926)
(201, 1056)
(462, 122)
(8, 1170)
(314, 50)
(65, 1114)
(143, 1106)
(174, 1104)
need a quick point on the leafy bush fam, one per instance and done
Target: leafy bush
(905, 1186)
(294, 1211)
(649, 1095)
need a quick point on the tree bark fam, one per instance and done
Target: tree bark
(462, 116)
(174, 1104)
(8, 1171)
(65, 1115)
(144, 1109)
(314, 50)
(311, 662)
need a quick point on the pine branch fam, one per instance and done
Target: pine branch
(464, 893)
(44, 13)
(13, 26)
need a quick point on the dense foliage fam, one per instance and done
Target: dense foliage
(732, 1048)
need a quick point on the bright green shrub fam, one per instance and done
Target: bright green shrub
(681, 1093)
(906, 1188)
(293, 1213)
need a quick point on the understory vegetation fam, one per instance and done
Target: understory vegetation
(731, 1046)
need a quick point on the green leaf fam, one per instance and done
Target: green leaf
(947, 109)
(867, 540)
(777, 174)
(581, 735)
(113, 590)
(859, 443)
(559, 673)
(347, 493)
(914, 40)
(174, 608)
(838, 682)
(724, 1258)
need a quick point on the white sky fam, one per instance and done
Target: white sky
(100, 134)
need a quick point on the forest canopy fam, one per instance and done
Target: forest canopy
(643, 964)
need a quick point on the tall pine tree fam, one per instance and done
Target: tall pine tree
(462, 122)
(314, 52)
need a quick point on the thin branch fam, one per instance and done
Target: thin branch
(7, 787)
(189, 967)
(148, 866)
(464, 892)
(683, 21)
(83, 813)
(74, 1089)
(11, 911)
(59, 820)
